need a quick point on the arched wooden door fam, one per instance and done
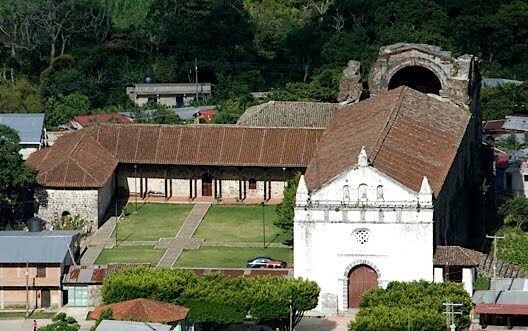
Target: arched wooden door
(207, 185)
(360, 279)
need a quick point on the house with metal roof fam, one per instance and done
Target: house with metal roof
(30, 129)
(32, 265)
(168, 94)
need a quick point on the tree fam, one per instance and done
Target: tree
(16, 179)
(515, 212)
(61, 322)
(215, 299)
(418, 305)
(64, 108)
(503, 100)
(285, 209)
(20, 97)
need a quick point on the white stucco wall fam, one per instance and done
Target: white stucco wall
(519, 185)
(399, 226)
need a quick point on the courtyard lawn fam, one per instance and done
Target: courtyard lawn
(130, 254)
(228, 257)
(240, 223)
(152, 221)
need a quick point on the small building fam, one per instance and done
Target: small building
(289, 114)
(456, 264)
(500, 130)
(87, 120)
(82, 284)
(111, 325)
(30, 129)
(32, 265)
(505, 303)
(172, 95)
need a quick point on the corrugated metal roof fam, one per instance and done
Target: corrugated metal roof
(107, 325)
(28, 126)
(35, 247)
(493, 82)
(503, 297)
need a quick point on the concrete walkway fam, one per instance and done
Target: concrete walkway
(93, 245)
(183, 238)
(242, 244)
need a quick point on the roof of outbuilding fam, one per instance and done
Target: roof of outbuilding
(75, 160)
(289, 114)
(35, 247)
(456, 256)
(144, 310)
(407, 135)
(88, 157)
(28, 126)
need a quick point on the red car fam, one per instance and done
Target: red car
(275, 264)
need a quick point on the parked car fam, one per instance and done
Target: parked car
(258, 262)
(276, 264)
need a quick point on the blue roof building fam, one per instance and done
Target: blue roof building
(30, 129)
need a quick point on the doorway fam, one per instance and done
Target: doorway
(207, 185)
(45, 298)
(360, 279)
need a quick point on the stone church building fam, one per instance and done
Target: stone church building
(393, 176)
(386, 178)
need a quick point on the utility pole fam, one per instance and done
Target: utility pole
(291, 315)
(196, 76)
(450, 314)
(135, 186)
(494, 282)
(27, 289)
(263, 226)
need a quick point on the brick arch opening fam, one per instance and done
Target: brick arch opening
(417, 77)
(360, 279)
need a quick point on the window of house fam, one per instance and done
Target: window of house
(508, 180)
(526, 178)
(252, 184)
(41, 272)
(152, 100)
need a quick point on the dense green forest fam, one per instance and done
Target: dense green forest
(69, 57)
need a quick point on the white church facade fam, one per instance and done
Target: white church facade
(392, 178)
(365, 225)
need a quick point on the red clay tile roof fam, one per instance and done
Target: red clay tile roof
(144, 310)
(407, 135)
(75, 160)
(87, 158)
(87, 120)
(456, 256)
(483, 308)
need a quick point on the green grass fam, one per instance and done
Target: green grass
(130, 254)
(22, 314)
(240, 223)
(227, 257)
(152, 221)
(514, 247)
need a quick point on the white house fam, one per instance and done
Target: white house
(30, 129)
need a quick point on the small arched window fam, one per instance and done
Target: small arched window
(379, 192)
(346, 193)
(252, 184)
(362, 192)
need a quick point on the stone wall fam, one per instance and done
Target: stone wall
(104, 198)
(90, 204)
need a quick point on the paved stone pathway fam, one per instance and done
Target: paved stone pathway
(93, 245)
(183, 239)
(242, 244)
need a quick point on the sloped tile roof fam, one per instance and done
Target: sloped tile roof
(407, 135)
(75, 160)
(144, 310)
(289, 114)
(456, 256)
(88, 157)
